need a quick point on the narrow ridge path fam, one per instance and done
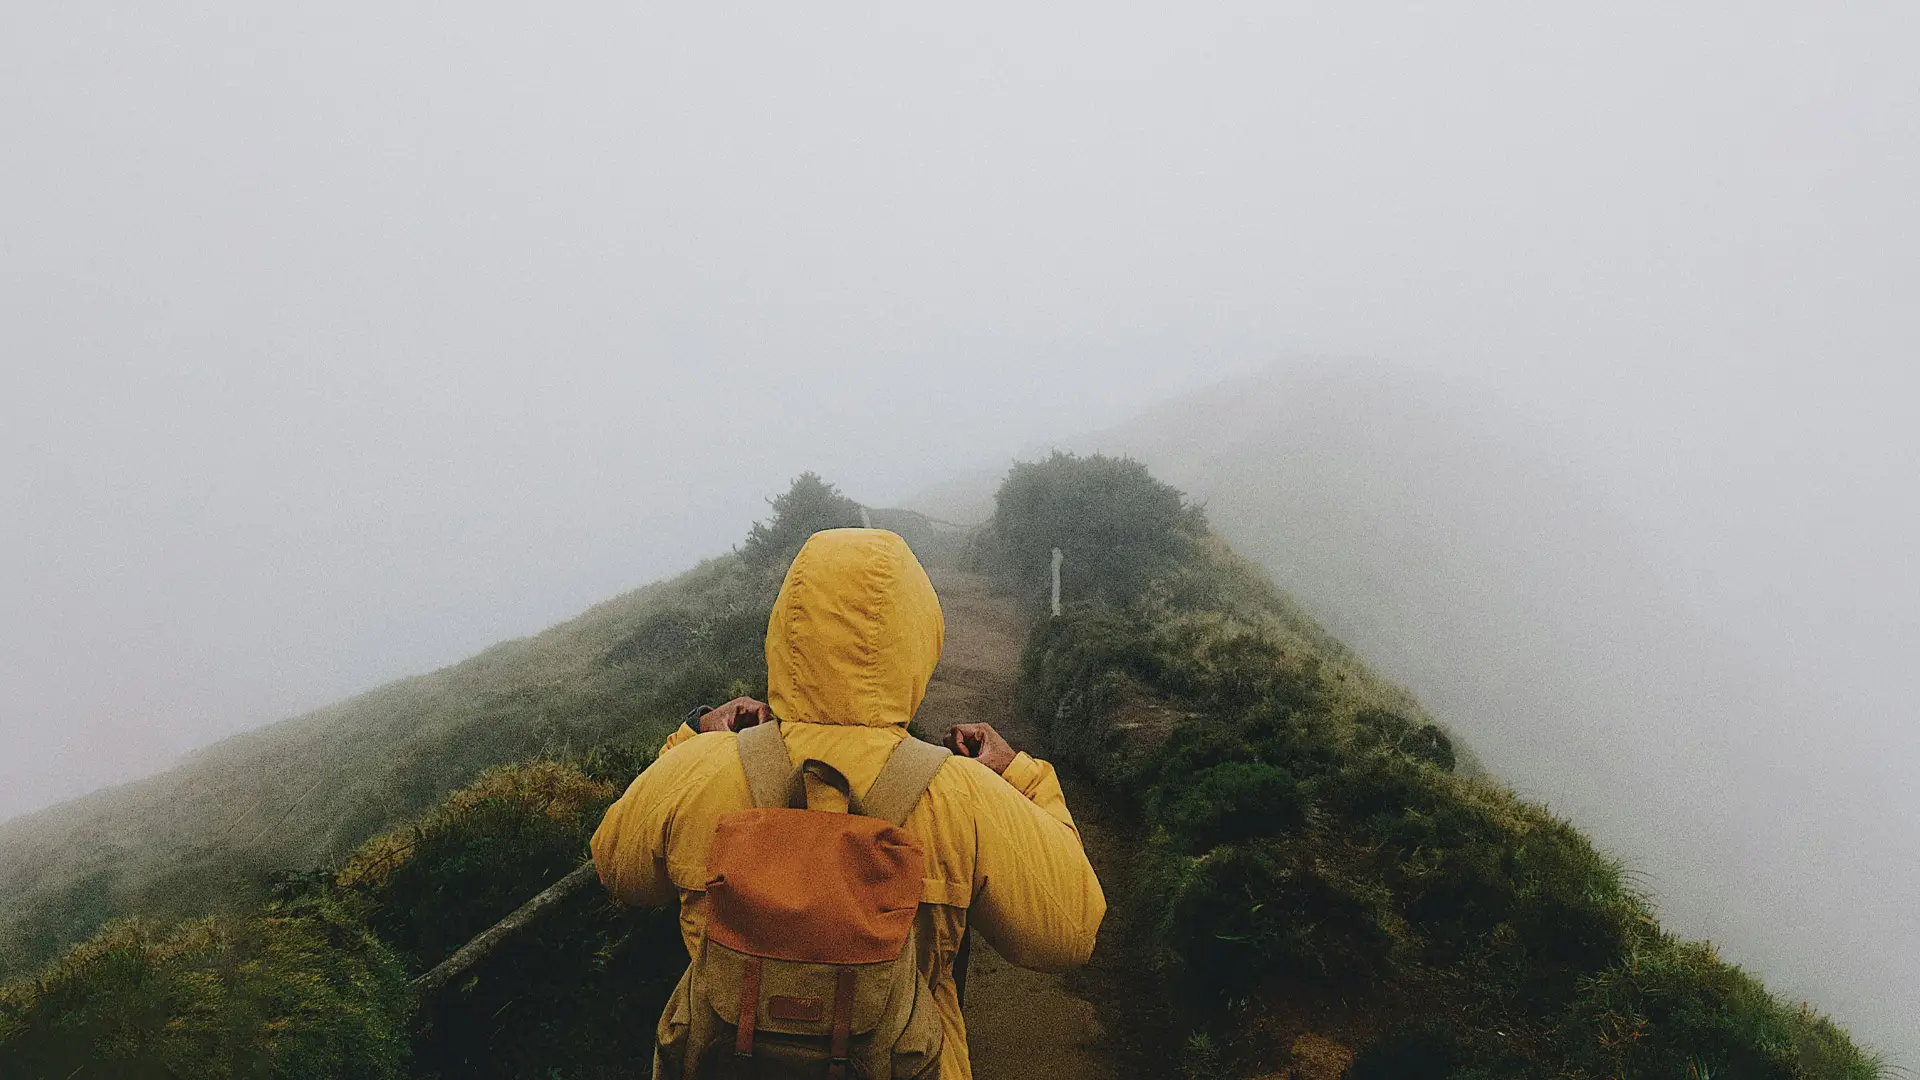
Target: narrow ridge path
(1020, 1023)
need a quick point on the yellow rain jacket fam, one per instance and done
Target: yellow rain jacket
(853, 640)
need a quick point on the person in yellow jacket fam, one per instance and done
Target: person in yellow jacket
(855, 633)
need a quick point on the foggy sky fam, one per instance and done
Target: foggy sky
(338, 342)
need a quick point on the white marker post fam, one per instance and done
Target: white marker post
(866, 522)
(1056, 582)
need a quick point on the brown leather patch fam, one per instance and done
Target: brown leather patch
(781, 1007)
(812, 886)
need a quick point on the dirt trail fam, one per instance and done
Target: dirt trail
(1019, 1023)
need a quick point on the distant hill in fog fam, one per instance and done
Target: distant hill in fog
(1467, 557)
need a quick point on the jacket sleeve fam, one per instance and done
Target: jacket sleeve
(1035, 897)
(630, 846)
(1035, 779)
(680, 735)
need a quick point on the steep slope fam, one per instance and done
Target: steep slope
(204, 835)
(1454, 548)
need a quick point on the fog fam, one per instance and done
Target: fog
(337, 343)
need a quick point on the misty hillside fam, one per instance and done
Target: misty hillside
(309, 790)
(204, 836)
(1466, 556)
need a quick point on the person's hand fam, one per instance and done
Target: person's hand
(982, 743)
(736, 715)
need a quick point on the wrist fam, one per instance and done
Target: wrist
(1024, 772)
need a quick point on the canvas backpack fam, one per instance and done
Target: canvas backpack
(808, 968)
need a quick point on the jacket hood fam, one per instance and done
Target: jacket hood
(855, 632)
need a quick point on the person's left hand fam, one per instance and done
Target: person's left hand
(736, 715)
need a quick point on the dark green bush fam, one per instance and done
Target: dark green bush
(809, 506)
(1118, 527)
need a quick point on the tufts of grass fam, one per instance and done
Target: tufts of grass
(301, 989)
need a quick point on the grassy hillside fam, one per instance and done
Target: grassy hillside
(199, 837)
(1474, 557)
(205, 836)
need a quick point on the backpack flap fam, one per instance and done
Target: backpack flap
(850, 901)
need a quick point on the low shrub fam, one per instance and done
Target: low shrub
(302, 989)
(1118, 527)
(575, 994)
(809, 505)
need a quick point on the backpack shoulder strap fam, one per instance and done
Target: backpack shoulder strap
(763, 754)
(897, 790)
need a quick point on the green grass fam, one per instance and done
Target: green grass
(299, 989)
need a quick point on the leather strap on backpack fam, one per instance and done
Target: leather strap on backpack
(749, 1009)
(826, 774)
(897, 790)
(763, 754)
(842, 1025)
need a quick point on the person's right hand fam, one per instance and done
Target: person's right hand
(736, 715)
(981, 742)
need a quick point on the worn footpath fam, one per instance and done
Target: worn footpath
(1019, 1023)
